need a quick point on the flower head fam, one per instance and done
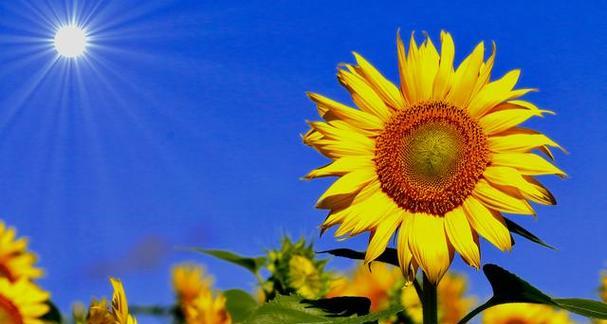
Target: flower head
(294, 269)
(379, 282)
(206, 309)
(16, 261)
(197, 301)
(189, 282)
(22, 302)
(118, 313)
(521, 313)
(436, 160)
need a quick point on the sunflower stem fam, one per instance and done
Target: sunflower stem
(430, 308)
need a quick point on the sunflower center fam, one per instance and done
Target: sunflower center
(430, 156)
(432, 152)
(9, 313)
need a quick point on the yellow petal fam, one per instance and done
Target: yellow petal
(338, 149)
(465, 77)
(386, 89)
(442, 82)
(427, 66)
(502, 120)
(350, 115)
(341, 134)
(406, 81)
(499, 200)
(407, 264)
(493, 94)
(484, 73)
(346, 185)
(343, 207)
(521, 104)
(363, 95)
(506, 176)
(526, 163)
(488, 223)
(368, 213)
(428, 242)
(520, 142)
(463, 238)
(341, 166)
(377, 208)
(381, 235)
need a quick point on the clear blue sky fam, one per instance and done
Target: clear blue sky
(183, 130)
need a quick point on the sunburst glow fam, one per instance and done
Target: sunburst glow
(70, 41)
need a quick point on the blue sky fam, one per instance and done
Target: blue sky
(181, 128)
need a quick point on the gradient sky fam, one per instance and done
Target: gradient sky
(181, 128)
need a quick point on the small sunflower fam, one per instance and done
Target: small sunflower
(189, 282)
(22, 302)
(198, 303)
(438, 159)
(294, 269)
(521, 313)
(16, 261)
(118, 313)
(206, 309)
(379, 283)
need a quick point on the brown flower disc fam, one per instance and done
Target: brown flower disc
(430, 157)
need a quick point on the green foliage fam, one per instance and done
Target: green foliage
(389, 256)
(239, 304)
(508, 288)
(516, 228)
(252, 264)
(294, 309)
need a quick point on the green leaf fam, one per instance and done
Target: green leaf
(517, 229)
(342, 305)
(293, 309)
(251, 264)
(508, 288)
(371, 318)
(389, 256)
(584, 307)
(239, 304)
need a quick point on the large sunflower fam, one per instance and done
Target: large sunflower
(439, 159)
(16, 261)
(22, 302)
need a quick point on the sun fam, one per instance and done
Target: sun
(70, 41)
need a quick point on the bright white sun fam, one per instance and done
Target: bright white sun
(70, 41)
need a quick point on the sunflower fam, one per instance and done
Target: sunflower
(438, 159)
(189, 282)
(521, 313)
(294, 269)
(16, 261)
(379, 283)
(101, 313)
(197, 302)
(22, 302)
(206, 309)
